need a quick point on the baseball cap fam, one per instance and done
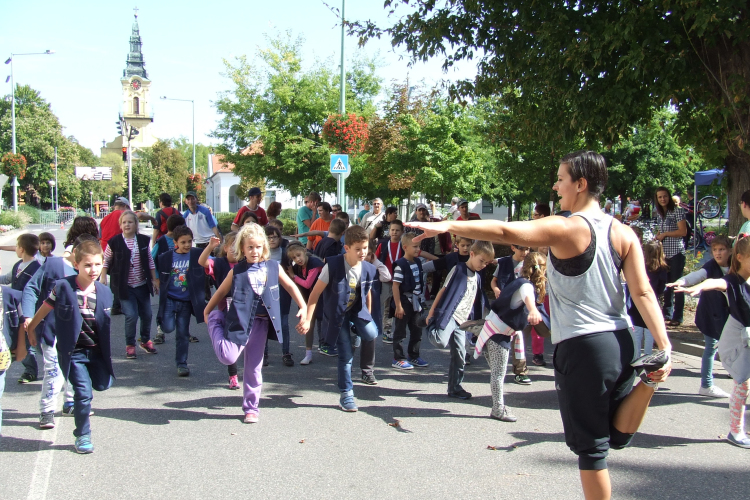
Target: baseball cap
(421, 205)
(191, 193)
(254, 191)
(122, 200)
(462, 202)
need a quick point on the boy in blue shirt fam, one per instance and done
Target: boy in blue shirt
(82, 308)
(345, 282)
(452, 307)
(182, 294)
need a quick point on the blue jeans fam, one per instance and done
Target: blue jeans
(455, 338)
(674, 303)
(642, 337)
(707, 363)
(137, 305)
(29, 363)
(87, 371)
(177, 315)
(367, 331)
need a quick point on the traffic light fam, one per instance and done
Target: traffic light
(133, 133)
(119, 127)
(124, 154)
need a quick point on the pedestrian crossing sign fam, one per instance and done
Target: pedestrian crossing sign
(340, 165)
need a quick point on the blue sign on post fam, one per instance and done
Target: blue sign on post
(340, 165)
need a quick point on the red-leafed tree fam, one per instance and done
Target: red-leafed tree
(346, 134)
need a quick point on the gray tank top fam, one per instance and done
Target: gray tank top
(593, 301)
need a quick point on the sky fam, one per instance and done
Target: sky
(184, 45)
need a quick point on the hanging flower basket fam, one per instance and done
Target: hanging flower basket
(195, 182)
(346, 134)
(13, 165)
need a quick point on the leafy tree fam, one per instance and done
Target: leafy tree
(159, 169)
(185, 146)
(597, 68)
(273, 116)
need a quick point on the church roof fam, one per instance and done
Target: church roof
(135, 66)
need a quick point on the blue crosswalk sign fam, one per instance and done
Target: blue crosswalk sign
(340, 165)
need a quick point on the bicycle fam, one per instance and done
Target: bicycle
(709, 207)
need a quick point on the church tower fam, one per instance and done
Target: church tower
(136, 97)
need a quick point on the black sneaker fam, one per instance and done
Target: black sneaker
(193, 340)
(650, 363)
(26, 377)
(183, 371)
(265, 359)
(467, 359)
(47, 420)
(287, 360)
(159, 338)
(538, 360)
(369, 379)
(460, 394)
(522, 379)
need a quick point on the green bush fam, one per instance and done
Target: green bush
(34, 214)
(225, 222)
(18, 219)
(290, 227)
(288, 213)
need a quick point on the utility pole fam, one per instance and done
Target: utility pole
(342, 108)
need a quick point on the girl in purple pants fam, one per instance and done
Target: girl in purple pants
(253, 314)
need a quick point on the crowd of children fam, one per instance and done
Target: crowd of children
(349, 288)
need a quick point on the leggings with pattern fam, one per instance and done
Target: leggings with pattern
(737, 407)
(497, 357)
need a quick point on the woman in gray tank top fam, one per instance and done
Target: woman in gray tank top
(590, 325)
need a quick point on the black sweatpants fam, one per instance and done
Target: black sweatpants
(399, 333)
(592, 377)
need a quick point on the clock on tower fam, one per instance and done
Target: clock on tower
(135, 84)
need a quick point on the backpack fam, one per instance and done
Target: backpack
(164, 216)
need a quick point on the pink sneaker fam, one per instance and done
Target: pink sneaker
(233, 382)
(251, 418)
(130, 352)
(148, 347)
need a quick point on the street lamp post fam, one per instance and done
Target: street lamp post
(91, 206)
(14, 181)
(57, 191)
(52, 192)
(165, 98)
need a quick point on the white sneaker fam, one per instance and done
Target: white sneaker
(713, 392)
(307, 359)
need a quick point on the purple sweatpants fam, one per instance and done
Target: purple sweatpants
(228, 352)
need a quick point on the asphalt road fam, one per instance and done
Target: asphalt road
(160, 436)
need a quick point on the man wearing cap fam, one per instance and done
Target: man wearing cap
(371, 218)
(199, 219)
(463, 210)
(109, 227)
(253, 205)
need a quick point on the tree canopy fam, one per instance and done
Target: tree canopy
(595, 69)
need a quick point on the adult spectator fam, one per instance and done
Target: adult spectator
(110, 225)
(463, 210)
(274, 210)
(670, 221)
(325, 216)
(600, 406)
(541, 210)
(380, 230)
(372, 218)
(421, 214)
(160, 224)
(198, 218)
(306, 215)
(453, 210)
(633, 211)
(254, 195)
(608, 208)
(363, 212)
(335, 209)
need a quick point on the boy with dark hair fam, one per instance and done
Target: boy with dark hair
(331, 245)
(27, 246)
(182, 293)
(36, 291)
(165, 243)
(452, 307)
(82, 332)
(408, 289)
(388, 252)
(345, 282)
(508, 269)
(162, 217)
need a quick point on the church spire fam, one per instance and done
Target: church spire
(135, 64)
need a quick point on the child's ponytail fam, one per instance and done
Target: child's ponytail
(741, 247)
(535, 270)
(653, 254)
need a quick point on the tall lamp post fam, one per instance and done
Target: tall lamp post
(14, 181)
(91, 206)
(192, 102)
(52, 192)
